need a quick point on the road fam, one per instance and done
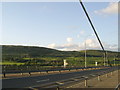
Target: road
(36, 81)
(110, 82)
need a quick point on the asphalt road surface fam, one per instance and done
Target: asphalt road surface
(32, 81)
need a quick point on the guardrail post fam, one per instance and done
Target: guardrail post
(39, 72)
(86, 82)
(29, 73)
(99, 78)
(4, 75)
(21, 72)
(47, 72)
(106, 75)
(111, 73)
(58, 88)
(59, 71)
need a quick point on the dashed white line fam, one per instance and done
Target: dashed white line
(43, 80)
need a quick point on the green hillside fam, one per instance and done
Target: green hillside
(31, 51)
(46, 56)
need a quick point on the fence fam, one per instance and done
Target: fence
(31, 69)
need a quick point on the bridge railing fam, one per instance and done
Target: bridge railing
(72, 81)
(31, 69)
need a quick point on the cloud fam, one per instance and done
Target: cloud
(112, 47)
(69, 39)
(90, 44)
(112, 8)
(53, 45)
(69, 47)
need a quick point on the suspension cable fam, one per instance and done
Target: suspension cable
(88, 17)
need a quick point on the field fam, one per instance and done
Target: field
(26, 55)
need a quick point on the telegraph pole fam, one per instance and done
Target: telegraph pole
(104, 59)
(114, 61)
(107, 58)
(85, 55)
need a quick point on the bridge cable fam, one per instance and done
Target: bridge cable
(88, 17)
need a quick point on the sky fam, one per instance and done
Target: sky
(59, 25)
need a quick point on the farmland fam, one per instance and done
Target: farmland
(30, 55)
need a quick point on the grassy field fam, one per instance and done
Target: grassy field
(29, 55)
(72, 61)
(11, 63)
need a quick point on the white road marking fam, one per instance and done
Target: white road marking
(92, 75)
(59, 83)
(43, 80)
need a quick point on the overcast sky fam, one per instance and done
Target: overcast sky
(59, 25)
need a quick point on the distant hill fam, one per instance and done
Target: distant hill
(32, 55)
(27, 51)
(33, 51)
(99, 53)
